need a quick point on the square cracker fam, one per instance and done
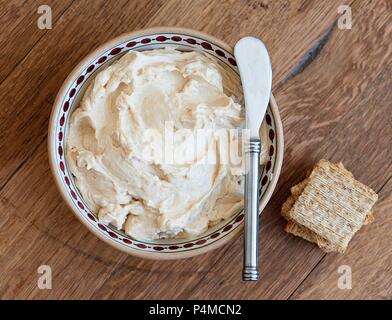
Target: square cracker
(329, 207)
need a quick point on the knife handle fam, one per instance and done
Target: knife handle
(251, 238)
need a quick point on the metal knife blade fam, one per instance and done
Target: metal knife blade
(256, 76)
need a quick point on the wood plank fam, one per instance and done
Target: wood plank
(369, 257)
(73, 271)
(289, 28)
(36, 174)
(321, 107)
(31, 195)
(43, 74)
(27, 94)
(229, 262)
(331, 96)
(44, 231)
(19, 30)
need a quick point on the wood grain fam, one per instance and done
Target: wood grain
(19, 31)
(337, 107)
(27, 94)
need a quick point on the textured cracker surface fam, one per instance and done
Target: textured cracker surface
(329, 207)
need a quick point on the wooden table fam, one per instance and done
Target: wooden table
(333, 87)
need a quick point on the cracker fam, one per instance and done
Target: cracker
(309, 235)
(329, 207)
(298, 188)
(295, 193)
(288, 205)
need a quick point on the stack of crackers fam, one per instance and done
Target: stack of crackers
(329, 207)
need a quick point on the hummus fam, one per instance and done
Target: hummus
(156, 198)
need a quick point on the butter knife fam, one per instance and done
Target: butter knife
(256, 76)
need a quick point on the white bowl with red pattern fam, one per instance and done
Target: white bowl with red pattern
(67, 100)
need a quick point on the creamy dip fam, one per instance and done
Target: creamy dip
(152, 199)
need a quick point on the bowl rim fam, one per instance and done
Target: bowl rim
(51, 148)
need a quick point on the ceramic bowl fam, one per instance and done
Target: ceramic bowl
(67, 100)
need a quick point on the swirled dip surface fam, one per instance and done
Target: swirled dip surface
(154, 199)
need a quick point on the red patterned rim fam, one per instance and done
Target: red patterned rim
(58, 141)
